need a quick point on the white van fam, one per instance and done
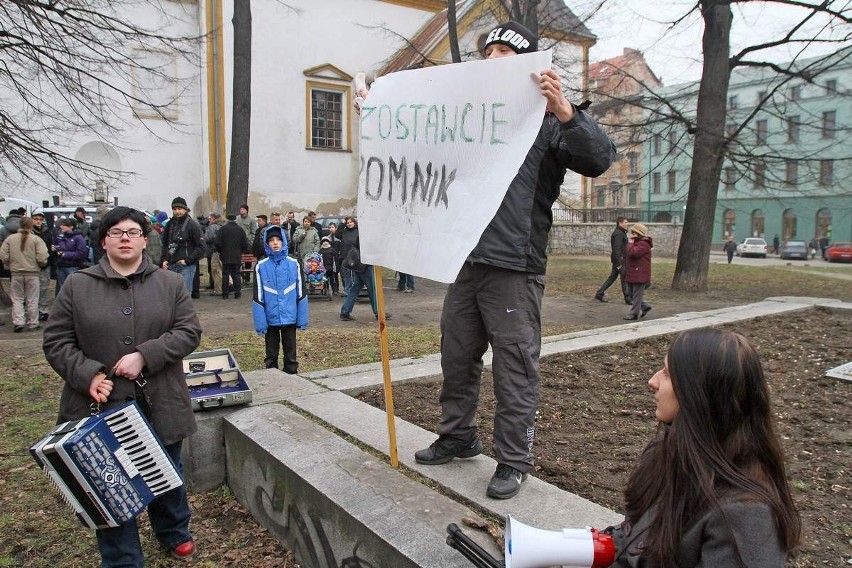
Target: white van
(8, 204)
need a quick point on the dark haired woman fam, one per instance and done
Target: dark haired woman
(127, 315)
(710, 489)
(24, 254)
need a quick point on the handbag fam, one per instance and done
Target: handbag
(353, 261)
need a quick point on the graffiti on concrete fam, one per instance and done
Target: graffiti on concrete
(293, 521)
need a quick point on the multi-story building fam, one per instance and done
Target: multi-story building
(618, 86)
(788, 163)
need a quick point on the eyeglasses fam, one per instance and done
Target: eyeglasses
(118, 233)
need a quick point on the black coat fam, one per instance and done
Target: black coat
(618, 243)
(231, 242)
(182, 240)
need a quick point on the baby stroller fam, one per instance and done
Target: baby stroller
(317, 281)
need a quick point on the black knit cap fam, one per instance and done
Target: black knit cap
(179, 202)
(513, 34)
(274, 231)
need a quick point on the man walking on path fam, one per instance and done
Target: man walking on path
(618, 244)
(730, 248)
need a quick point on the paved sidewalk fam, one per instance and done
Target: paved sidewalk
(361, 377)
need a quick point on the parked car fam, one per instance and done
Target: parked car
(326, 221)
(752, 246)
(794, 250)
(839, 252)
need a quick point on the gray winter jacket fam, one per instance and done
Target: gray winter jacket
(100, 316)
(516, 238)
(713, 541)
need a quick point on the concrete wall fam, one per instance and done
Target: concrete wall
(593, 238)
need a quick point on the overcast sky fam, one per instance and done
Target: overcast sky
(674, 54)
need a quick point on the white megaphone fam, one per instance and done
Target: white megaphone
(529, 547)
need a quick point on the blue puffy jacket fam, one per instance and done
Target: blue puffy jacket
(279, 290)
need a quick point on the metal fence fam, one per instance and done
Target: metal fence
(572, 215)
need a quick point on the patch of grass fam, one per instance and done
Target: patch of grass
(320, 349)
(578, 276)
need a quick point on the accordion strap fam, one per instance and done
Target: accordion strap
(140, 395)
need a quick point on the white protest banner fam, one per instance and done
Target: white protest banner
(439, 148)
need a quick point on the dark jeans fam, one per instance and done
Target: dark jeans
(488, 304)
(356, 280)
(405, 281)
(614, 274)
(169, 515)
(286, 337)
(63, 272)
(232, 271)
(730, 256)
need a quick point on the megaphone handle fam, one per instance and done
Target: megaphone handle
(470, 550)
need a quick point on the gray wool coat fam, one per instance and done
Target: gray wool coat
(100, 316)
(712, 541)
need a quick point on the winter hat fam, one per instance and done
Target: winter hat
(37, 214)
(639, 229)
(326, 242)
(513, 34)
(179, 202)
(274, 231)
(231, 217)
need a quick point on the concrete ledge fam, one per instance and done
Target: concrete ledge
(331, 503)
(539, 503)
(204, 451)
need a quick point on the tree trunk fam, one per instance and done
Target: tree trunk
(531, 16)
(238, 175)
(453, 31)
(693, 258)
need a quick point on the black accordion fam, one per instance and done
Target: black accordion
(108, 467)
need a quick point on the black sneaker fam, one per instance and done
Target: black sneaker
(346, 317)
(645, 311)
(505, 483)
(445, 448)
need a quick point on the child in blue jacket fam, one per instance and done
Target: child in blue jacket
(280, 304)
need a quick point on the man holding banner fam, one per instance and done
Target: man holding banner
(496, 297)
(459, 170)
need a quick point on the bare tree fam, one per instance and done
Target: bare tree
(238, 175)
(452, 29)
(712, 143)
(68, 67)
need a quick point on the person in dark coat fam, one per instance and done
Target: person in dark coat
(231, 244)
(710, 488)
(70, 249)
(618, 244)
(126, 317)
(638, 269)
(41, 231)
(183, 243)
(776, 242)
(348, 240)
(331, 264)
(258, 247)
(730, 248)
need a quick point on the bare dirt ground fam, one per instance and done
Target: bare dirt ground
(597, 414)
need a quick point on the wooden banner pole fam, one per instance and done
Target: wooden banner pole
(383, 340)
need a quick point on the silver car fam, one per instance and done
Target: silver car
(794, 250)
